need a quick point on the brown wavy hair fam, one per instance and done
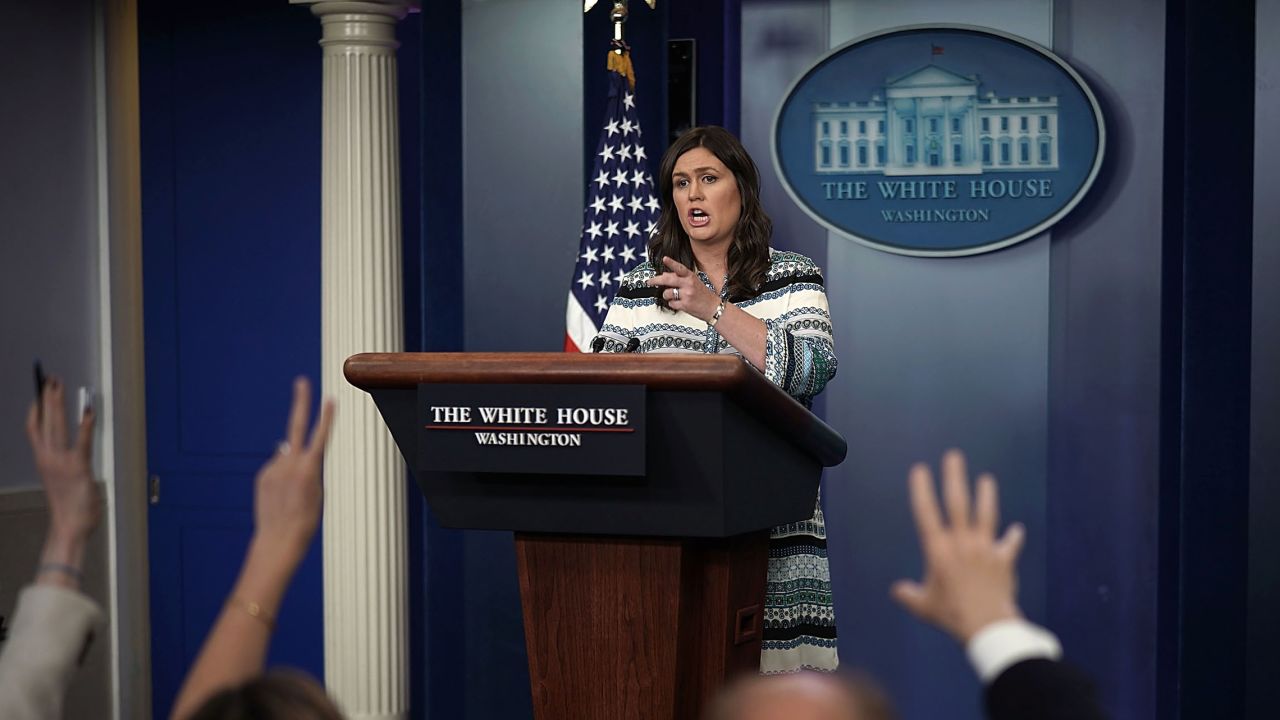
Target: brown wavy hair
(277, 695)
(748, 261)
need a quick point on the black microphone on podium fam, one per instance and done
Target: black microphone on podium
(597, 345)
(633, 344)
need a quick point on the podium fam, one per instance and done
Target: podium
(642, 549)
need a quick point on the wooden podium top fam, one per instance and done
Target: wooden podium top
(676, 371)
(666, 372)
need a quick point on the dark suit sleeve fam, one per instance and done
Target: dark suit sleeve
(1042, 689)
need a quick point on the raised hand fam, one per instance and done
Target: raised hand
(970, 576)
(287, 504)
(66, 472)
(289, 496)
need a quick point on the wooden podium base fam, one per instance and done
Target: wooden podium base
(638, 628)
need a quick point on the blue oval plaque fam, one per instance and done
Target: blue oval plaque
(938, 140)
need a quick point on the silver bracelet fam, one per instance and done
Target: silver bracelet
(61, 568)
(716, 317)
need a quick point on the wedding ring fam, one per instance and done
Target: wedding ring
(283, 447)
(676, 293)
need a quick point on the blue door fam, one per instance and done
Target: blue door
(230, 106)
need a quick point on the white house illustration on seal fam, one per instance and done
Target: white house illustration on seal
(932, 121)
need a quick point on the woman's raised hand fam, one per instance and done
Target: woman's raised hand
(289, 495)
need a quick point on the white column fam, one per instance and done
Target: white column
(365, 555)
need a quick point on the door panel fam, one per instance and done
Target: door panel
(231, 250)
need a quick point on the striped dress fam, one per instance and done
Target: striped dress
(800, 628)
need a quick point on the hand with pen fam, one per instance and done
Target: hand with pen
(66, 472)
(54, 622)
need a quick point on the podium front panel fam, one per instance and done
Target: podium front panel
(712, 470)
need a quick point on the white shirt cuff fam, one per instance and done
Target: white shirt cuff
(1002, 644)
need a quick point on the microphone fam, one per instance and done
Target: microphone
(633, 344)
(597, 345)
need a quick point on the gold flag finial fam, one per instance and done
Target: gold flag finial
(588, 4)
(619, 16)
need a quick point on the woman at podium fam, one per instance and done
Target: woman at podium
(712, 284)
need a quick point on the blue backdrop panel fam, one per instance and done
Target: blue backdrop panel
(716, 27)
(1105, 369)
(934, 353)
(433, 322)
(231, 205)
(1208, 255)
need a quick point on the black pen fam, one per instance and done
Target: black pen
(40, 380)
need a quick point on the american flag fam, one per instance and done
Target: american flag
(619, 218)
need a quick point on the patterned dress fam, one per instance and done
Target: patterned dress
(800, 627)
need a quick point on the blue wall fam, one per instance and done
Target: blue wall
(231, 263)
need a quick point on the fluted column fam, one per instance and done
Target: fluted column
(365, 556)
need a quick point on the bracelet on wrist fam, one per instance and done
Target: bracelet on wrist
(254, 610)
(60, 569)
(716, 317)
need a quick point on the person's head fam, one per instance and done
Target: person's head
(276, 695)
(802, 696)
(709, 190)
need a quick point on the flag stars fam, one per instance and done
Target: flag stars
(620, 203)
(650, 228)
